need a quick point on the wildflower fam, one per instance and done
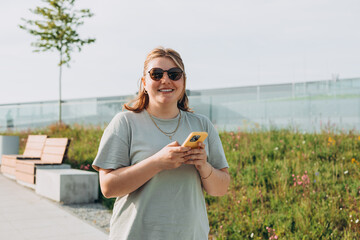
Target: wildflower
(276, 149)
(346, 172)
(303, 142)
(340, 209)
(353, 160)
(357, 220)
(272, 233)
(331, 141)
(359, 138)
(252, 235)
(317, 174)
(221, 227)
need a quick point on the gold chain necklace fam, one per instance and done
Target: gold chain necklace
(170, 134)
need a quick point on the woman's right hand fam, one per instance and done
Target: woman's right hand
(171, 156)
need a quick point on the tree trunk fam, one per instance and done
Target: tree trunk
(60, 121)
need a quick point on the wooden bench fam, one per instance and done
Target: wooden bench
(33, 150)
(54, 152)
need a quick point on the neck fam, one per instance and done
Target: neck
(164, 112)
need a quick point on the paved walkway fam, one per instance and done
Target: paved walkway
(24, 215)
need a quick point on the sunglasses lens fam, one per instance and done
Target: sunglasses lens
(174, 73)
(156, 74)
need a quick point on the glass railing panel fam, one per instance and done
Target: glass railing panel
(307, 106)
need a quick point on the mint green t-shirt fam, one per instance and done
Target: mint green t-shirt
(171, 205)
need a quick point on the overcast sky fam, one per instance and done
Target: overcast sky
(226, 43)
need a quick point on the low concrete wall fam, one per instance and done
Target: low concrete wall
(9, 145)
(67, 185)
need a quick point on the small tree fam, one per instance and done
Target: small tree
(57, 31)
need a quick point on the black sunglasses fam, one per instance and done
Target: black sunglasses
(157, 73)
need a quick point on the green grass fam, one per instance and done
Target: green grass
(304, 186)
(323, 204)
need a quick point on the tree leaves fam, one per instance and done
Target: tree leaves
(57, 29)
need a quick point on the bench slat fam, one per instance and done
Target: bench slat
(29, 178)
(9, 160)
(36, 138)
(55, 150)
(26, 168)
(51, 158)
(33, 153)
(56, 142)
(8, 170)
(34, 145)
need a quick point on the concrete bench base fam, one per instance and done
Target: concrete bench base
(67, 185)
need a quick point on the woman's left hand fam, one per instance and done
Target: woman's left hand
(197, 156)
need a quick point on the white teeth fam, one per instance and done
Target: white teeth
(166, 90)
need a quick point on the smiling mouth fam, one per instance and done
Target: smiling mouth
(166, 90)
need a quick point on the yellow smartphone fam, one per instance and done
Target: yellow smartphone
(194, 138)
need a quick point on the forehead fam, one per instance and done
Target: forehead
(161, 62)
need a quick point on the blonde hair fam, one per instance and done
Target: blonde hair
(142, 100)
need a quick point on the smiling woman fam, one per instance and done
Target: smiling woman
(153, 74)
(157, 182)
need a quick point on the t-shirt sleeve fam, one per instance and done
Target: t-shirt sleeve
(114, 146)
(216, 155)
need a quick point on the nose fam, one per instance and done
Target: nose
(165, 78)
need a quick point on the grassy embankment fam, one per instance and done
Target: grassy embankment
(284, 184)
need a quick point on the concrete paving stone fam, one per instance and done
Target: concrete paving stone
(15, 216)
(95, 236)
(18, 208)
(5, 226)
(36, 223)
(48, 232)
(26, 216)
(11, 235)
